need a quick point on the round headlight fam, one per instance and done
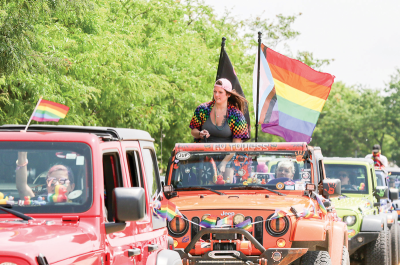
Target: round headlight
(350, 220)
(277, 227)
(178, 227)
(238, 218)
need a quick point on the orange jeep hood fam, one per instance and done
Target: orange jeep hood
(238, 201)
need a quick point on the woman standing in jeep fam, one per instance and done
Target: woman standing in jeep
(221, 120)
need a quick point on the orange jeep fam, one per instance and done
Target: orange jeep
(253, 203)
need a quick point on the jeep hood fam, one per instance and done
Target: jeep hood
(352, 203)
(238, 201)
(55, 241)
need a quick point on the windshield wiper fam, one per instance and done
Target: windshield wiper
(200, 188)
(244, 187)
(16, 213)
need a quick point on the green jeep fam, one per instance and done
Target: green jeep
(372, 232)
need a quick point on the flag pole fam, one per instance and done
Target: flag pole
(30, 119)
(220, 57)
(258, 81)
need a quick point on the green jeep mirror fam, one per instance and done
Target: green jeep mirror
(381, 192)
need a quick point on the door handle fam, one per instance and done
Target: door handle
(134, 252)
(152, 247)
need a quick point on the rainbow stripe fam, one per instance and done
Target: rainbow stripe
(291, 96)
(246, 225)
(227, 221)
(209, 221)
(321, 204)
(278, 214)
(49, 111)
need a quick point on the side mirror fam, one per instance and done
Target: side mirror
(168, 189)
(129, 204)
(331, 187)
(381, 192)
(393, 194)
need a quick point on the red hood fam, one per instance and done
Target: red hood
(55, 240)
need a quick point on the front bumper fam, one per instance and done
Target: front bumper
(364, 237)
(270, 256)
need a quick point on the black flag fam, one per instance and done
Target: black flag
(225, 70)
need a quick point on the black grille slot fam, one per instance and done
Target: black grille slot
(258, 229)
(195, 228)
(251, 220)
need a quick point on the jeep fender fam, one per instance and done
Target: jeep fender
(337, 239)
(373, 223)
(168, 257)
(309, 230)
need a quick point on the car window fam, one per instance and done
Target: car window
(354, 178)
(46, 177)
(151, 169)
(112, 180)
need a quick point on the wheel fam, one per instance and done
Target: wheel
(378, 252)
(345, 256)
(394, 238)
(316, 258)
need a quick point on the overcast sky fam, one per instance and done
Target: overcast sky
(363, 36)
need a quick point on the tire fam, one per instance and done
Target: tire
(378, 252)
(394, 238)
(345, 256)
(316, 258)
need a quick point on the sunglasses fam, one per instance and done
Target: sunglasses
(51, 182)
(343, 175)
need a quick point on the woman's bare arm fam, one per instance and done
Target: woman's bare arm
(21, 176)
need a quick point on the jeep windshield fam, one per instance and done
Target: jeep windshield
(45, 177)
(278, 170)
(353, 178)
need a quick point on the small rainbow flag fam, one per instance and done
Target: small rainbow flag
(321, 204)
(227, 221)
(278, 214)
(209, 221)
(168, 210)
(246, 225)
(162, 211)
(49, 111)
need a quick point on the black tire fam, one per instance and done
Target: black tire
(316, 258)
(345, 256)
(394, 238)
(378, 252)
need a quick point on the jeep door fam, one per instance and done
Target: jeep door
(157, 234)
(114, 170)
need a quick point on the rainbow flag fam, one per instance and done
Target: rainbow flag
(321, 204)
(209, 221)
(278, 214)
(246, 225)
(162, 211)
(291, 96)
(227, 221)
(49, 111)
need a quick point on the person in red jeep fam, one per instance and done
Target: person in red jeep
(57, 175)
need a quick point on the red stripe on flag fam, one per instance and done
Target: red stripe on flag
(298, 68)
(54, 104)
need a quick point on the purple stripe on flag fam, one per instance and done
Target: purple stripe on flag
(42, 119)
(294, 124)
(288, 135)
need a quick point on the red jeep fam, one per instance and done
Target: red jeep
(80, 195)
(253, 203)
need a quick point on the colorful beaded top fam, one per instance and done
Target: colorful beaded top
(236, 120)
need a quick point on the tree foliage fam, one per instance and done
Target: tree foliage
(147, 65)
